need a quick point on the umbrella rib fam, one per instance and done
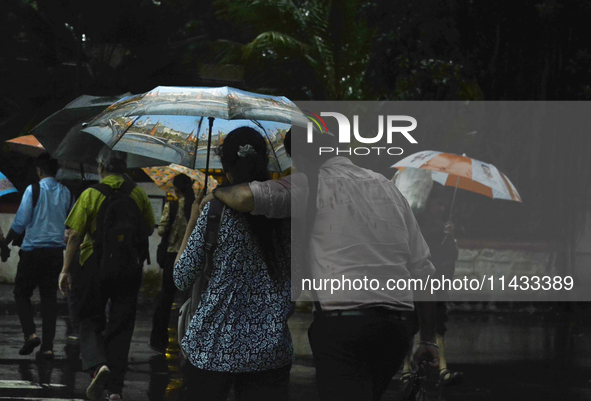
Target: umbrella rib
(197, 143)
(125, 131)
(269, 139)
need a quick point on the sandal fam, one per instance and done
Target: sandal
(448, 378)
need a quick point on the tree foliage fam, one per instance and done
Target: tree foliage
(55, 50)
(323, 44)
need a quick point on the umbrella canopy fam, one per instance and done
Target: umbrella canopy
(27, 145)
(52, 131)
(60, 133)
(183, 124)
(164, 175)
(463, 172)
(6, 186)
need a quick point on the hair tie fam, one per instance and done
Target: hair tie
(246, 150)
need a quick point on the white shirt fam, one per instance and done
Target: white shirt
(364, 229)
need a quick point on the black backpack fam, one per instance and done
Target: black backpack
(120, 229)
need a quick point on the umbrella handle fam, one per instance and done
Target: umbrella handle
(454, 196)
(451, 207)
(208, 151)
(82, 175)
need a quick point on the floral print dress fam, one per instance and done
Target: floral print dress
(241, 323)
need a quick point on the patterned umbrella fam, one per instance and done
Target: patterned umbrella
(183, 125)
(6, 186)
(163, 176)
(463, 172)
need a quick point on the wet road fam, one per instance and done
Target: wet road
(504, 356)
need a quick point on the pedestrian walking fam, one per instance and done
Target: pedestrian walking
(39, 223)
(356, 223)
(171, 228)
(239, 336)
(110, 223)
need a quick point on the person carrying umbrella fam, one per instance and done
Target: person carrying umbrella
(438, 233)
(358, 345)
(239, 335)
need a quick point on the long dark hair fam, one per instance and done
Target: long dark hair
(245, 157)
(184, 184)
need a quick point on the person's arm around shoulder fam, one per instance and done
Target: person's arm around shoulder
(238, 197)
(271, 198)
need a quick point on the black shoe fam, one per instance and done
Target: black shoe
(29, 346)
(45, 355)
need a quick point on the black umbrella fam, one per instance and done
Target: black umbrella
(60, 133)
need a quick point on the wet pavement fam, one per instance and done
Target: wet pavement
(505, 355)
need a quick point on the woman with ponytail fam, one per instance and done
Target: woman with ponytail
(239, 335)
(171, 228)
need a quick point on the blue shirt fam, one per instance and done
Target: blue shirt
(45, 224)
(241, 322)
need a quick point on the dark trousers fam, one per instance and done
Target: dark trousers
(357, 356)
(161, 318)
(38, 268)
(106, 340)
(266, 385)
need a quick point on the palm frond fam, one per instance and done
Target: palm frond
(276, 42)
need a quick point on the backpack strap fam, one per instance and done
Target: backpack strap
(216, 209)
(36, 191)
(36, 188)
(103, 189)
(72, 200)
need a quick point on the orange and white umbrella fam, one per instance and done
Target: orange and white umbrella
(27, 144)
(463, 172)
(164, 175)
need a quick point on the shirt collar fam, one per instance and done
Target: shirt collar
(336, 160)
(113, 180)
(48, 180)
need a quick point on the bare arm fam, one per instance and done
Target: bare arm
(427, 352)
(238, 197)
(74, 240)
(11, 236)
